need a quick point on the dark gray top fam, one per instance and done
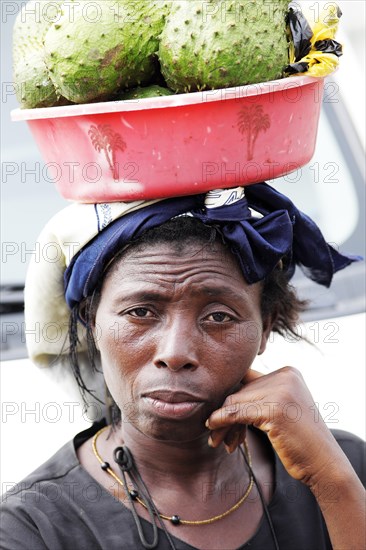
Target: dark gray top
(61, 507)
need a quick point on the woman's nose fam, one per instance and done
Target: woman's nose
(177, 348)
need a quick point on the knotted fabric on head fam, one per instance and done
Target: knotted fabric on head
(259, 243)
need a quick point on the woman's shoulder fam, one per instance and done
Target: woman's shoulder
(345, 438)
(58, 488)
(355, 449)
(55, 470)
(35, 499)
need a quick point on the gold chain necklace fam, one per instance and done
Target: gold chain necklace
(175, 519)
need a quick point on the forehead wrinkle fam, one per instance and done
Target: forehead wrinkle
(151, 254)
(179, 261)
(190, 252)
(180, 264)
(196, 281)
(164, 268)
(178, 273)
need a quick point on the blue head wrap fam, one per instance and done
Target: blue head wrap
(258, 243)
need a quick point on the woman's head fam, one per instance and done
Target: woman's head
(262, 229)
(261, 236)
(174, 312)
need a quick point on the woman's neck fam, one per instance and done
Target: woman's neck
(186, 461)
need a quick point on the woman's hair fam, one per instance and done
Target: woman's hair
(279, 300)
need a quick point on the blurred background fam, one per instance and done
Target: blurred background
(24, 175)
(38, 416)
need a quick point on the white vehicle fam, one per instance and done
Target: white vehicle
(38, 416)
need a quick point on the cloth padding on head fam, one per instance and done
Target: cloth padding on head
(46, 312)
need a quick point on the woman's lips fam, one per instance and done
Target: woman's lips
(172, 404)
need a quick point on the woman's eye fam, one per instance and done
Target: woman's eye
(140, 312)
(219, 317)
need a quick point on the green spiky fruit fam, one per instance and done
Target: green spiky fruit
(148, 91)
(33, 86)
(105, 46)
(209, 44)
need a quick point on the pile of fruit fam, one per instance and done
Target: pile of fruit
(80, 51)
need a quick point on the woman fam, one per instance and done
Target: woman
(177, 299)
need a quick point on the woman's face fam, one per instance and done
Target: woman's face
(177, 330)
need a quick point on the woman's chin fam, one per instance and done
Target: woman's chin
(167, 430)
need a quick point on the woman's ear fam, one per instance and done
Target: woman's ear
(83, 313)
(268, 323)
(87, 312)
(87, 317)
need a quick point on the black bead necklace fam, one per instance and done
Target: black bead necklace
(124, 459)
(140, 493)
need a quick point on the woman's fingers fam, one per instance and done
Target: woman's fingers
(234, 409)
(281, 405)
(235, 437)
(255, 402)
(216, 437)
(231, 437)
(236, 413)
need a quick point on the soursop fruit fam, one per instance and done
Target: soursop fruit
(106, 45)
(148, 91)
(33, 86)
(208, 44)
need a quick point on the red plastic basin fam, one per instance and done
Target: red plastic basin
(178, 145)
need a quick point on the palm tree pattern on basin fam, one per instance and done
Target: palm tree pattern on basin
(252, 121)
(105, 139)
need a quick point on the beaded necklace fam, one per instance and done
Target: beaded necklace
(175, 518)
